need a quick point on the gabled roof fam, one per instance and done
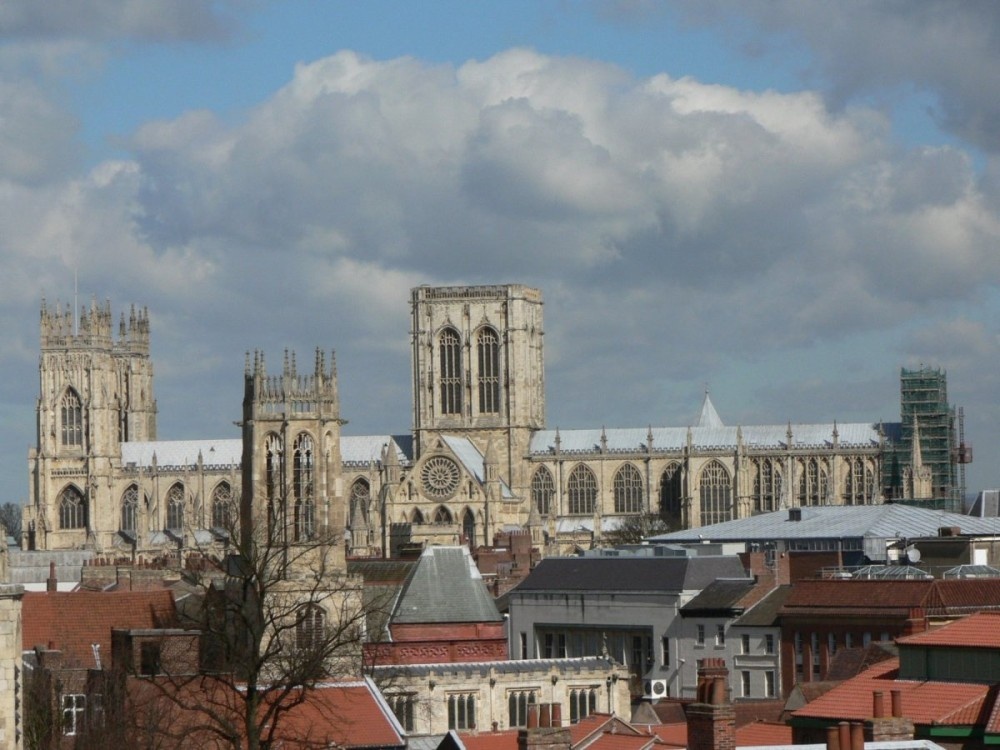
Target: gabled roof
(445, 586)
(72, 622)
(924, 702)
(629, 574)
(764, 614)
(474, 462)
(709, 417)
(721, 597)
(981, 630)
(935, 597)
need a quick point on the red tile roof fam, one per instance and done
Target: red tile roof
(609, 741)
(505, 740)
(981, 630)
(73, 621)
(923, 702)
(896, 596)
(763, 733)
(597, 723)
(346, 715)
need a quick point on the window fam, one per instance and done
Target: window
(488, 348)
(71, 414)
(222, 507)
(72, 509)
(462, 711)
(402, 706)
(768, 644)
(766, 487)
(175, 508)
(745, 683)
(798, 643)
(745, 643)
(582, 491)
(720, 635)
(859, 487)
(150, 656)
(866, 639)
(74, 706)
(628, 490)
(670, 491)
(542, 490)
(555, 645)
(715, 492)
(831, 644)
(812, 483)
(130, 509)
(524, 645)
(517, 707)
(700, 637)
(665, 645)
(582, 703)
(442, 515)
(451, 371)
(360, 496)
(310, 628)
(848, 640)
(418, 518)
(469, 528)
(769, 684)
(302, 488)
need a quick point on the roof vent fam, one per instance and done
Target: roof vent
(795, 514)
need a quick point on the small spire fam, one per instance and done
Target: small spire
(709, 417)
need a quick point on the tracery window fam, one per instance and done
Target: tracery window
(488, 347)
(542, 490)
(72, 509)
(223, 514)
(360, 495)
(402, 706)
(442, 515)
(581, 490)
(812, 483)
(517, 707)
(469, 527)
(175, 508)
(130, 509)
(716, 494)
(628, 490)
(450, 348)
(859, 484)
(766, 486)
(417, 518)
(71, 417)
(310, 627)
(302, 487)
(582, 703)
(462, 711)
(670, 491)
(274, 480)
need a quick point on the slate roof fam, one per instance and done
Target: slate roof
(445, 586)
(764, 613)
(215, 454)
(514, 666)
(73, 621)
(884, 521)
(721, 596)
(625, 574)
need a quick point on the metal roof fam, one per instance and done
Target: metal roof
(884, 521)
(473, 461)
(629, 574)
(214, 453)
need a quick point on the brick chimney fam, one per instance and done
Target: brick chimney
(883, 728)
(711, 718)
(52, 582)
(545, 730)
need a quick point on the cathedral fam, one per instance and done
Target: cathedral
(479, 458)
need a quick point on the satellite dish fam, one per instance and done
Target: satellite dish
(913, 554)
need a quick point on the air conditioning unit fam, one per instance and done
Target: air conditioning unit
(655, 689)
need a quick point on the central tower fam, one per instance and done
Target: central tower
(478, 368)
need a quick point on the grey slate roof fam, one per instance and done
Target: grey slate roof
(721, 595)
(764, 614)
(514, 666)
(214, 453)
(886, 521)
(629, 574)
(473, 461)
(445, 586)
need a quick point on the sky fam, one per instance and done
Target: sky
(783, 201)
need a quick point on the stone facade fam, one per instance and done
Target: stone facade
(478, 460)
(11, 668)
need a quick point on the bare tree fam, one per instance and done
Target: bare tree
(280, 617)
(635, 529)
(10, 517)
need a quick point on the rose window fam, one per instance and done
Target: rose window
(440, 477)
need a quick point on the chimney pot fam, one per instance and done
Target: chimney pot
(878, 704)
(557, 714)
(897, 703)
(533, 716)
(844, 734)
(857, 736)
(832, 738)
(544, 716)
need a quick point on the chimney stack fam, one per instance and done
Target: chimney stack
(52, 583)
(712, 718)
(889, 728)
(544, 731)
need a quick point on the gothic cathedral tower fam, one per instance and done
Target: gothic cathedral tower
(478, 370)
(95, 392)
(292, 469)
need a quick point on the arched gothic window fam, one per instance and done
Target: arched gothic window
(716, 494)
(302, 487)
(130, 509)
(310, 628)
(274, 480)
(417, 518)
(671, 491)
(812, 483)
(450, 347)
(628, 490)
(72, 509)
(542, 490)
(71, 418)
(175, 508)
(469, 527)
(488, 347)
(581, 491)
(361, 494)
(766, 486)
(442, 515)
(223, 515)
(582, 703)
(859, 484)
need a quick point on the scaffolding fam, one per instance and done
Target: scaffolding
(924, 402)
